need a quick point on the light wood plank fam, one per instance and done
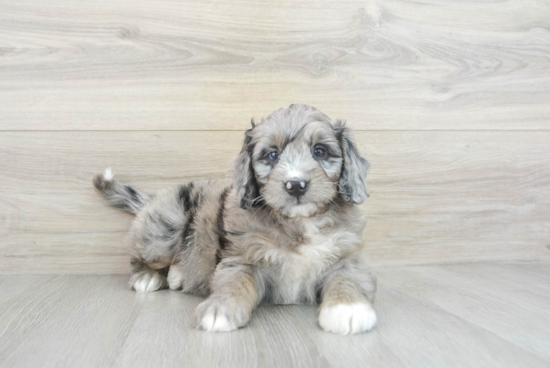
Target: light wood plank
(451, 316)
(70, 321)
(187, 65)
(273, 338)
(436, 197)
(493, 297)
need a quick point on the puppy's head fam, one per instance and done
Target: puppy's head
(298, 160)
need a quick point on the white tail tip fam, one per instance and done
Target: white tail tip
(108, 174)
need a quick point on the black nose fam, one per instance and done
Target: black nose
(296, 188)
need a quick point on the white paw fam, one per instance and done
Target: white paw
(148, 282)
(175, 278)
(214, 316)
(347, 318)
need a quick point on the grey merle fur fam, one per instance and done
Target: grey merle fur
(243, 241)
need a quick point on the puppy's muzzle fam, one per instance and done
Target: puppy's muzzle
(296, 188)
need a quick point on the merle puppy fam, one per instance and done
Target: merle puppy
(286, 229)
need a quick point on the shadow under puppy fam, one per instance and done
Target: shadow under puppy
(285, 230)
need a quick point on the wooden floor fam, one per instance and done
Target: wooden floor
(429, 316)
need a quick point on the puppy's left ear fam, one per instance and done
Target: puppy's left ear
(352, 185)
(248, 190)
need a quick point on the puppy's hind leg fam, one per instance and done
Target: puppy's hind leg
(175, 278)
(145, 278)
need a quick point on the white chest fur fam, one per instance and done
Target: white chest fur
(295, 272)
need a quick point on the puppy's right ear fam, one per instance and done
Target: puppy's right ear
(248, 190)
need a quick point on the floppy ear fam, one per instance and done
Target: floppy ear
(248, 190)
(352, 185)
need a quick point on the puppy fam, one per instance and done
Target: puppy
(284, 230)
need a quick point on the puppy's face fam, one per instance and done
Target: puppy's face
(298, 160)
(297, 163)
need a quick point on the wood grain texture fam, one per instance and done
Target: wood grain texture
(437, 316)
(450, 101)
(436, 197)
(188, 65)
(494, 297)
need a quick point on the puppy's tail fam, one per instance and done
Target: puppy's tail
(119, 195)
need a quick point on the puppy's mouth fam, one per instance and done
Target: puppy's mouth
(300, 210)
(300, 206)
(294, 198)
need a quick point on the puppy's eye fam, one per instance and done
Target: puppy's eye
(319, 152)
(273, 156)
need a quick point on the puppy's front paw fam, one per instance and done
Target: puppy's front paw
(347, 318)
(217, 315)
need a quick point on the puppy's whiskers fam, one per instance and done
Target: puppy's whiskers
(259, 198)
(337, 205)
